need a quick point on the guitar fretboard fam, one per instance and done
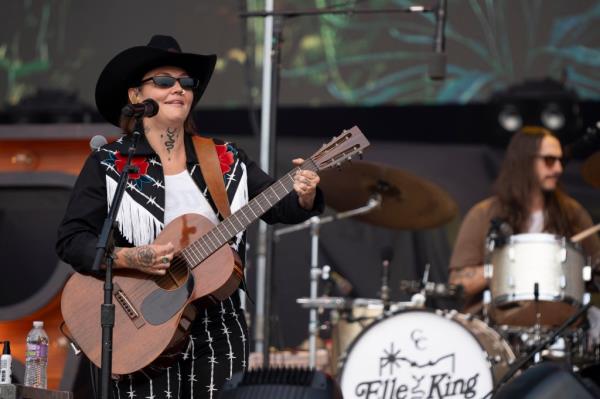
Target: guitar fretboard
(222, 233)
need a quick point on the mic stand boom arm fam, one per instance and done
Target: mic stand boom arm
(325, 11)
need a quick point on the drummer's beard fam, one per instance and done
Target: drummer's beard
(549, 183)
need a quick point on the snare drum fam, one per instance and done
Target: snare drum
(424, 354)
(531, 265)
(347, 323)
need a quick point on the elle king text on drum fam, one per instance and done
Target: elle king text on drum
(439, 386)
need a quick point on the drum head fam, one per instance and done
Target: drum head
(416, 353)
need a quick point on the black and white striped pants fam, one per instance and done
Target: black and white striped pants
(217, 347)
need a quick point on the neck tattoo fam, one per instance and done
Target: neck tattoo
(170, 141)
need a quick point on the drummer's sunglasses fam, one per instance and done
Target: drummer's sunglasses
(164, 82)
(550, 160)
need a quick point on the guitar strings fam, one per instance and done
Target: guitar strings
(180, 267)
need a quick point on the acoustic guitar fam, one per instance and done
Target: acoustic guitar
(152, 312)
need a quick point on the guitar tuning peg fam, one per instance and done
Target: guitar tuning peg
(338, 165)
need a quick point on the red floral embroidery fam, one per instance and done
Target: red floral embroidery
(140, 162)
(225, 158)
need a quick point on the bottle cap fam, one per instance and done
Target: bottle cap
(38, 324)
(6, 350)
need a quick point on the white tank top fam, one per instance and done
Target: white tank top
(536, 222)
(183, 196)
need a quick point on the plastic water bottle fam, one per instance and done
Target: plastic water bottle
(36, 357)
(5, 364)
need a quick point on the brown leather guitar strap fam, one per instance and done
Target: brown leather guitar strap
(211, 171)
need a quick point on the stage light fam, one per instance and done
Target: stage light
(545, 102)
(510, 118)
(552, 117)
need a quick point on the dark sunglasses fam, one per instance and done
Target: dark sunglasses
(550, 160)
(165, 82)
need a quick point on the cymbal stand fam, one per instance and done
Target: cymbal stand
(385, 287)
(537, 328)
(315, 224)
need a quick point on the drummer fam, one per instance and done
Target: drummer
(528, 199)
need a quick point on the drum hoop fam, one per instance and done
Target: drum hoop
(524, 238)
(510, 298)
(342, 360)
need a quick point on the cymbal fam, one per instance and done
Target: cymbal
(591, 170)
(407, 201)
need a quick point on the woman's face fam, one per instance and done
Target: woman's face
(174, 103)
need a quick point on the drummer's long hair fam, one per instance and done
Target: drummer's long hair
(517, 179)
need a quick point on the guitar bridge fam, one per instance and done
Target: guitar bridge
(128, 307)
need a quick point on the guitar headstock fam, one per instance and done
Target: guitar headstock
(340, 149)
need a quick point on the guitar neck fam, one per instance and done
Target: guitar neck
(239, 221)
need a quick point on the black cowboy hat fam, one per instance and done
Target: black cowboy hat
(128, 67)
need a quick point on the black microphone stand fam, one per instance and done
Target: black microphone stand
(104, 249)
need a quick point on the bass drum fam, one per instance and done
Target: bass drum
(420, 353)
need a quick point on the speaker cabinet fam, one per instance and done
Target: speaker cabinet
(548, 381)
(276, 383)
(36, 178)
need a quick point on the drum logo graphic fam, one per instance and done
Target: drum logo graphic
(416, 363)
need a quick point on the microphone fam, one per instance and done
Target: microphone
(97, 141)
(584, 146)
(437, 60)
(499, 231)
(147, 108)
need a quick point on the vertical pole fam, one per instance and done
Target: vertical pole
(267, 163)
(315, 273)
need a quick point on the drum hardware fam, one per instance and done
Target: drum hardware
(488, 271)
(386, 258)
(433, 289)
(587, 270)
(314, 224)
(536, 351)
(487, 301)
(326, 277)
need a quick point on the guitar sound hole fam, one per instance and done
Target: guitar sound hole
(177, 274)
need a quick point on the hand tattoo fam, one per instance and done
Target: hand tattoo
(139, 257)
